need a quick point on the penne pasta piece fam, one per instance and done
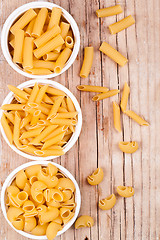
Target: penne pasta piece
(87, 62)
(55, 17)
(109, 11)
(18, 92)
(55, 147)
(62, 122)
(16, 130)
(62, 110)
(53, 141)
(116, 117)
(70, 105)
(30, 28)
(124, 98)
(49, 46)
(23, 21)
(113, 54)
(28, 149)
(66, 115)
(41, 94)
(89, 88)
(19, 99)
(43, 64)
(69, 42)
(35, 117)
(55, 91)
(18, 46)
(45, 37)
(39, 22)
(47, 99)
(44, 109)
(7, 129)
(9, 116)
(32, 133)
(108, 94)
(25, 121)
(136, 118)
(28, 53)
(43, 134)
(49, 152)
(55, 107)
(33, 93)
(64, 30)
(54, 133)
(15, 107)
(121, 25)
(51, 56)
(39, 71)
(44, 123)
(62, 59)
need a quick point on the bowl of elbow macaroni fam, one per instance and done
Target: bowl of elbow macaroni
(40, 39)
(40, 200)
(40, 119)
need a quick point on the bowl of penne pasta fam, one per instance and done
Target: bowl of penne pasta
(40, 200)
(40, 119)
(40, 39)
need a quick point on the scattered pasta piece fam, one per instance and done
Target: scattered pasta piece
(40, 125)
(113, 54)
(125, 191)
(116, 117)
(109, 11)
(96, 177)
(136, 118)
(84, 221)
(121, 25)
(128, 147)
(45, 205)
(108, 202)
(89, 88)
(124, 98)
(87, 62)
(102, 96)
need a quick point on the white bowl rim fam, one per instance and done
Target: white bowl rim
(10, 178)
(57, 85)
(18, 11)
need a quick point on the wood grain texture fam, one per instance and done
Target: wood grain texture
(136, 218)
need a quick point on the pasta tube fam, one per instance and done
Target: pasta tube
(41, 94)
(51, 56)
(62, 59)
(45, 37)
(56, 132)
(32, 133)
(49, 152)
(54, 91)
(15, 107)
(136, 118)
(105, 95)
(39, 22)
(53, 141)
(9, 116)
(16, 130)
(89, 88)
(28, 53)
(116, 117)
(69, 42)
(23, 21)
(30, 28)
(33, 93)
(35, 117)
(18, 46)
(55, 107)
(87, 62)
(113, 54)
(121, 25)
(124, 98)
(49, 46)
(55, 17)
(64, 30)
(63, 122)
(39, 71)
(43, 64)
(109, 11)
(7, 129)
(66, 115)
(18, 92)
(70, 105)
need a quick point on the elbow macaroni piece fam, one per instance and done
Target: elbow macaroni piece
(128, 147)
(108, 202)
(52, 230)
(84, 221)
(96, 177)
(124, 191)
(87, 62)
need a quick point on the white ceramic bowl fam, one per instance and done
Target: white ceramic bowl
(54, 84)
(18, 12)
(9, 180)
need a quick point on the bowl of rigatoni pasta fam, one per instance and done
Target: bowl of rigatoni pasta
(40, 39)
(40, 200)
(40, 119)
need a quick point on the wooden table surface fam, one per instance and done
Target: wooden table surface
(133, 218)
